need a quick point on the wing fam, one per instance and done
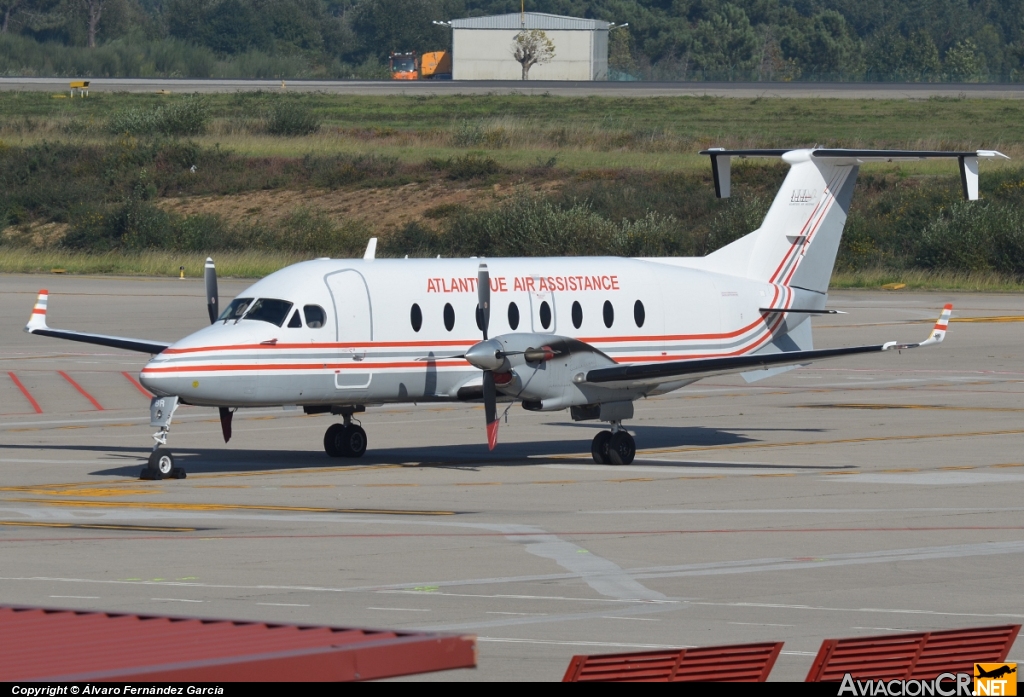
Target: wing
(654, 373)
(37, 325)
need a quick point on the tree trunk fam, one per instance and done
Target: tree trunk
(526, 70)
(95, 10)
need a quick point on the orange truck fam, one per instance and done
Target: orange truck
(435, 65)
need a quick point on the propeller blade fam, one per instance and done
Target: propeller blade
(483, 297)
(225, 422)
(212, 298)
(491, 409)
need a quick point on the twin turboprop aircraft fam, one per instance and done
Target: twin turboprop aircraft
(588, 334)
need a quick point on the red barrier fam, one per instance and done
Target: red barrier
(74, 646)
(739, 663)
(919, 656)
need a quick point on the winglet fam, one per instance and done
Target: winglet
(37, 320)
(371, 249)
(937, 335)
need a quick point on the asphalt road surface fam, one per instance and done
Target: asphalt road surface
(865, 496)
(746, 90)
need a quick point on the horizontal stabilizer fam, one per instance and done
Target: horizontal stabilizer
(798, 311)
(721, 159)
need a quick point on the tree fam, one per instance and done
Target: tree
(532, 47)
(95, 11)
(963, 63)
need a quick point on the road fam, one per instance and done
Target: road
(858, 497)
(739, 90)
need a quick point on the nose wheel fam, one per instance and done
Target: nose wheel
(345, 440)
(616, 448)
(161, 466)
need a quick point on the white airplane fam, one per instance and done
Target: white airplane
(588, 334)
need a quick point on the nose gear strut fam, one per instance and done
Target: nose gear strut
(161, 461)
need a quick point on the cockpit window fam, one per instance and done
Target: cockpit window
(315, 316)
(269, 310)
(295, 322)
(235, 310)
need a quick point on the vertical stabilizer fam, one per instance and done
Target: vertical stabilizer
(798, 241)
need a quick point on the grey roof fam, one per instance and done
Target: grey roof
(534, 20)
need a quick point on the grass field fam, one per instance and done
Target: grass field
(256, 265)
(84, 189)
(517, 129)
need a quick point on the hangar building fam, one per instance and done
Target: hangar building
(482, 47)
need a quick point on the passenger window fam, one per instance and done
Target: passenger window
(609, 314)
(315, 316)
(638, 313)
(235, 310)
(295, 322)
(577, 314)
(449, 316)
(269, 310)
(513, 316)
(545, 314)
(416, 317)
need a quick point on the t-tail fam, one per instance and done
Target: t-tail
(798, 240)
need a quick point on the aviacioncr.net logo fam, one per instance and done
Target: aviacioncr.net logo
(945, 685)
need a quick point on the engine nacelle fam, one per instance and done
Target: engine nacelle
(547, 372)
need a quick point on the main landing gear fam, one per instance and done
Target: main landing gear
(614, 447)
(161, 461)
(345, 440)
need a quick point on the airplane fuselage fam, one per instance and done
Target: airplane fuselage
(388, 326)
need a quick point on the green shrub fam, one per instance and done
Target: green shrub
(469, 166)
(333, 171)
(187, 117)
(291, 118)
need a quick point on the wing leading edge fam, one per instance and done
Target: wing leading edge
(37, 325)
(654, 373)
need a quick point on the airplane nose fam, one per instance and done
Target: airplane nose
(148, 380)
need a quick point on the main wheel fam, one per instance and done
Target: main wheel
(352, 441)
(331, 446)
(599, 448)
(621, 448)
(161, 462)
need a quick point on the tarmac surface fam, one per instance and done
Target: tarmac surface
(864, 496)
(742, 90)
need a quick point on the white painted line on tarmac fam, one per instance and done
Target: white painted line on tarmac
(284, 604)
(176, 600)
(400, 609)
(78, 597)
(763, 624)
(788, 511)
(722, 468)
(631, 619)
(533, 614)
(933, 478)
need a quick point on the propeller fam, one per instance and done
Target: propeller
(212, 299)
(483, 297)
(213, 308)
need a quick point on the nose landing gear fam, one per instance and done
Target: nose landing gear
(614, 447)
(161, 462)
(345, 440)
